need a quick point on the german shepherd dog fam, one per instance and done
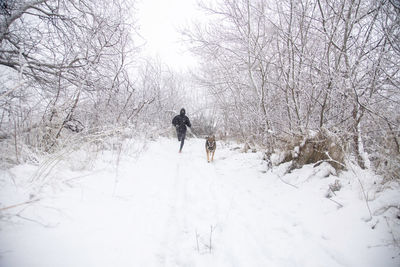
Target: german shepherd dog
(211, 146)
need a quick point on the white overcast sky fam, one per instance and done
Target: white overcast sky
(159, 21)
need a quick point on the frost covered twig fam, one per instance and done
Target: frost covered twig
(385, 208)
(210, 243)
(365, 198)
(197, 242)
(35, 221)
(395, 240)
(288, 183)
(335, 161)
(334, 201)
(207, 245)
(20, 84)
(20, 204)
(364, 194)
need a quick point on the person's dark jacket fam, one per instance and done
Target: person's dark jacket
(181, 121)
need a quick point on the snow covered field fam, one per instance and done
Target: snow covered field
(162, 208)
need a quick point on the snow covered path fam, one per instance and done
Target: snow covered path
(170, 209)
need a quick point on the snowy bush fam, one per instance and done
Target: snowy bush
(322, 146)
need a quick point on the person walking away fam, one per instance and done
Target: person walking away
(180, 122)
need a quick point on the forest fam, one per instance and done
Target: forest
(319, 77)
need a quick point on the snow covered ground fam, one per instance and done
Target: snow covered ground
(162, 208)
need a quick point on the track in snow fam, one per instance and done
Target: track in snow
(171, 209)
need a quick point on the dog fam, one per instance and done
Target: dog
(211, 146)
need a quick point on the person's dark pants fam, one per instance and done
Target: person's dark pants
(181, 138)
